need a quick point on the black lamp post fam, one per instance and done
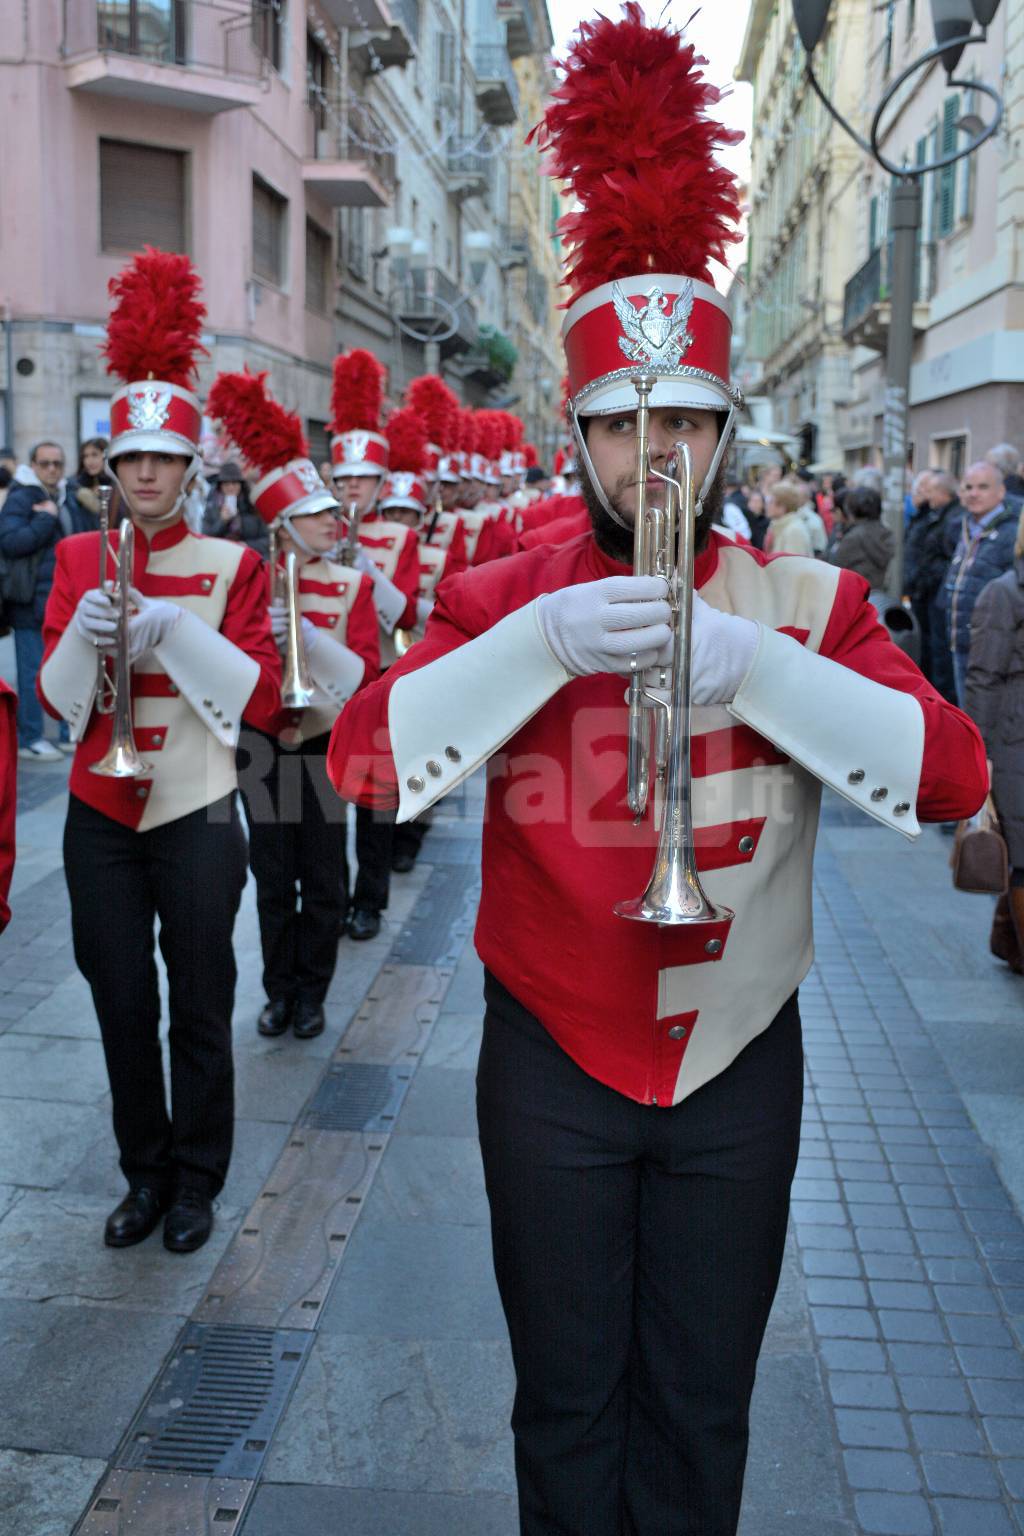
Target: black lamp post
(953, 22)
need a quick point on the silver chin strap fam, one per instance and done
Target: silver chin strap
(182, 497)
(724, 438)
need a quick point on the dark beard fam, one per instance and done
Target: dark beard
(617, 543)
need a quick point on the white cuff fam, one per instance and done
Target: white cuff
(335, 669)
(70, 677)
(448, 718)
(389, 601)
(864, 740)
(211, 672)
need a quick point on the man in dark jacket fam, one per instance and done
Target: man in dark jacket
(984, 550)
(930, 540)
(32, 521)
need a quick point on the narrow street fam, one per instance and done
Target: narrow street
(353, 1234)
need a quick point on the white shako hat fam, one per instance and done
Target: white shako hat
(358, 445)
(152, 344)
(272, 441)
(654, 207)
(408, 453)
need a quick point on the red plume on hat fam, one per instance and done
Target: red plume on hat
(530, 455)
(513, 431)
(466, 431)
(155, 327)
(406, 433)
(439, 407)
(357, 395)
(628, 133)
(490, 433)
(260, 428)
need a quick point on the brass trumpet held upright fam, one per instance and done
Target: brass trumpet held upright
(296, 683)
(114, 694)
(663, 542)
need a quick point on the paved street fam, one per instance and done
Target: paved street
(890, 1397)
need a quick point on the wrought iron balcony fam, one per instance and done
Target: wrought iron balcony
(388, 45)
(866, 300)
(431, 307)
(515, 246)
(202, 56)
(520, 29)
(469, 172)
(497, 90)
(352, 159)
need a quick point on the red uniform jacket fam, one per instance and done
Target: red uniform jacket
(654, 1012)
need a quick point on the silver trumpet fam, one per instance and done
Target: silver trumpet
(114, 692)
(351, 541)
(296, 683)
(664, 539)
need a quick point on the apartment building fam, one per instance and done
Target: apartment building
(967, 377)
(339, 170)
(803, 201)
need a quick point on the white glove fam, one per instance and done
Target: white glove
(95, 618)
(278, 612)
(424, 608)
(722, 649)
(390, 601)
(310, 635)
(362, 562)
(155, 620)
(599, 626)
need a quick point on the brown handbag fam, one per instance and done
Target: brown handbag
(979, 859)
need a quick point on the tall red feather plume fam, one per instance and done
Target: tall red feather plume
(358, 392)
(530, 454)
(466, 431)
(406, 433)
(629, 135)
(490, 433)
(260, 428)
(154, 329)
(438, 405)
(512, 429)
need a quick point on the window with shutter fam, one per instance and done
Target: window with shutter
(355, 243)
(446, 58)
(319, 439)
(318, 260)
(269, 221)
(873, 225)
(268, 28)
(965, 170)
(143, 197)
(947, 176)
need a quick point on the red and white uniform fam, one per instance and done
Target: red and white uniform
(394, 550)
(559, 531)
(339, 601)
(449, 533)
(190, 694)
(828, 698)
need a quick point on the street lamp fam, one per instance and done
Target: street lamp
(953, 22)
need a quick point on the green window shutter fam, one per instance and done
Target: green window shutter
(947, 177)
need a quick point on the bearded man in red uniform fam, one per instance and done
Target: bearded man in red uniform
(640, 1086)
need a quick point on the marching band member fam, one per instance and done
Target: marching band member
(443, 529)
(157, 835)
(296, 844)
(639, 1088)
(388, 553)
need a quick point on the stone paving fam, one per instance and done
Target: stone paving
(890, 1394)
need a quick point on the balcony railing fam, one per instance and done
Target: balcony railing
(869, 289)
(520, 30)
(432, 307)
(350, 159)
(214, 36)
(497, 89)
(515, 246)
(469, 171)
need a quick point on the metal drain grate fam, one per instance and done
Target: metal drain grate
(451, 848)
(440, 919)
(357, 1097)
(216, 1403)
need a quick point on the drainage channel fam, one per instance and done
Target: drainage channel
(192, 1456)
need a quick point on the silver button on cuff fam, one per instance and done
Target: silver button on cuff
(141, 792)
(207, 703)
(746, 845)
(677, 1032)
(416, 784)
(453, 754)
(713, 947)
(856, 777)
(901, 808)
(879, 794)
(434, 769)
(206, 585)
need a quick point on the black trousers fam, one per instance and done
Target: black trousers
(637, 1252)
(375, 840)
(297, 853)
(189, 875)
(409, 835)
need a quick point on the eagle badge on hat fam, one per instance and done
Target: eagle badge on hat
(649, 334)
(149, 407)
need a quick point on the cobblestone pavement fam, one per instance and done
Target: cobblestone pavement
(890, 1395)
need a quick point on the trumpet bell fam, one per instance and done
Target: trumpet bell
(675, 909)
(120, 761)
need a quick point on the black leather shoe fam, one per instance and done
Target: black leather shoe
(189, 1221)
(309, 1021)
(402, 862)
(135, 1218)
(276, 1016)
(363, 924)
